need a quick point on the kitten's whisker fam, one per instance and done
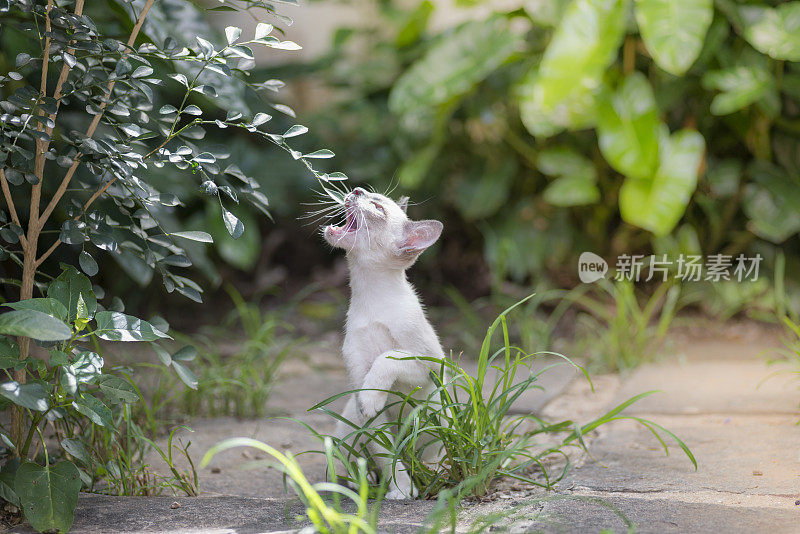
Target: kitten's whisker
(390, 189)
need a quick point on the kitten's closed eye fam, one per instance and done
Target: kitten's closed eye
(379, 208)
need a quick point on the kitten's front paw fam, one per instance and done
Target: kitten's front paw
(370, 403)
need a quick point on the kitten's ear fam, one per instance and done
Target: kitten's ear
(403, 203)
(419, 235)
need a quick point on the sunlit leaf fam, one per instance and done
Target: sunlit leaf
(674, 30)
(628, 127)
(454, 65)
(773, 31)
(658, 203)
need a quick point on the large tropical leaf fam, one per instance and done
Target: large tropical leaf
(674, 30)
(771, 202)
(658, 203)
(454, 65)
(628, 128)
(739, 87)
(773, 31)
(560, 92)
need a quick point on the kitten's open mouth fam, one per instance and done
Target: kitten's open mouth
(351, 222)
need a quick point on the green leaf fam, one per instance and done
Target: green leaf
(86, 368)
(185, 354)
(33, 324)
(546, 12)
(263, 29)
(118, 389)
(770, 203)
(674, 30)
(70, 285)
(51, 307)
(82, 311)
(116, 326)
(740, 86)
(453, 65)
(658, 203)
(31, 395)
(186, 376)
(773, 31)
(576, 190)
(194, 235)
(628, 128)
(58, 357)
(7, 474)
(560, 92)
(75, 448)
(232, 33)
(484, 193)
(94, 409)
(48, 495)
(9, 352)
(162, 353)
(87, 263)
(577, 183)
(234, 226)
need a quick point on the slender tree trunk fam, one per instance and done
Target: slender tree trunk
(26, 292)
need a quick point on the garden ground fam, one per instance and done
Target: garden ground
(718, 396)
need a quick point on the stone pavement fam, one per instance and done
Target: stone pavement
(740, 423)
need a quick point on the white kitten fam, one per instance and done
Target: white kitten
(385, 319)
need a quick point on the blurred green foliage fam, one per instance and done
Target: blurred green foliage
(557, 126)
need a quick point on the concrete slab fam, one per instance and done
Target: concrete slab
(715, 386)
(737, 455)
(656, 516)
(98, 514)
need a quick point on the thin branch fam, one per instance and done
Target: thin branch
(10, 202)
(95, 122)
(86, 205)
(47, 253)
(41, 146)
(62, 77)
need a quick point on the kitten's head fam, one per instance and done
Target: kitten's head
(378, 232)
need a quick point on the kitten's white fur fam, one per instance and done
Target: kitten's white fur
(385, 319)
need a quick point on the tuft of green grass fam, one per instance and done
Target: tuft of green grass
(235, 383)
(114, 460)
(327, 516)
(616, 331)
(467, 424)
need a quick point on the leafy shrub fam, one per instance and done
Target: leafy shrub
(83, 137)
(572, 125)
(469, 425)
(86, 403)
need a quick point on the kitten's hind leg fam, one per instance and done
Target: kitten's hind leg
(400, 485)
